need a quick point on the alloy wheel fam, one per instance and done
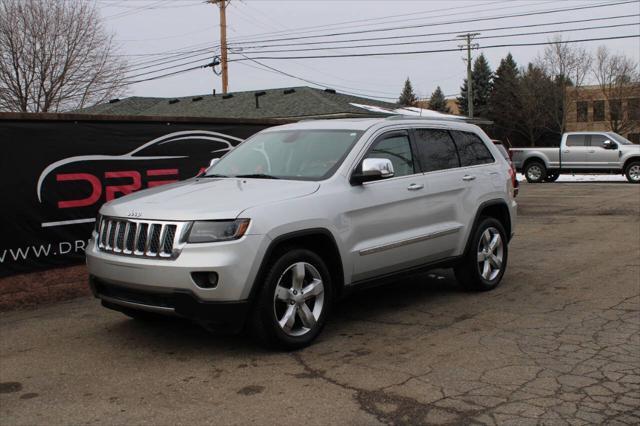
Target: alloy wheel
(634, 172)
(534, 173)
(490, 254)
(299, 299)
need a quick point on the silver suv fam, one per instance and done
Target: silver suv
(297, 215)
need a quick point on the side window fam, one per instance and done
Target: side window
(596, 140)
(576, 140)
(436, 150)
(471, 149)
(397, 149)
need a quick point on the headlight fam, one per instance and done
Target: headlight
(210, 231)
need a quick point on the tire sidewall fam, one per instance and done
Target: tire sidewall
(627, 172)
(275, 335)
(482, 226)
(543, 172)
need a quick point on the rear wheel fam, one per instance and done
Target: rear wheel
(294, 302)
(633, 172)
(484, 264)
(552, 176)
(535, 172)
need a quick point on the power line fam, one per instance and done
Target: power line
(415, 52)
(277, 71)
(533, 13)
(209, 51)
(360, 46)
(394, 37)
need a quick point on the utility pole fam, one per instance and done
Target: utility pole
(468, 37)
(222, 4)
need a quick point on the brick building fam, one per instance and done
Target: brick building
(590, 110)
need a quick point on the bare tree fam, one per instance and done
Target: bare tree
(568, 65)
(534, 91)
(618, 77)
(55, 55)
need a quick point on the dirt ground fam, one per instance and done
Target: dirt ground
(557, 343)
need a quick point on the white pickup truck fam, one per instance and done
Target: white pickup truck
(580, 152)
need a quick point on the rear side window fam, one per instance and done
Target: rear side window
(471, 149)
(576, 140)
(396, 148)
(436, 150)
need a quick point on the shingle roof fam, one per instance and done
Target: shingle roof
(274, 103)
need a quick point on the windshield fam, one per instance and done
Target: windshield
(287, 154)
(620, 139)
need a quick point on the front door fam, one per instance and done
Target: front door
(387, 217)
(601, 158)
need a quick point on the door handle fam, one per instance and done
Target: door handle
(566, 151)
(467, 178)
(415, 186)
(592, 151)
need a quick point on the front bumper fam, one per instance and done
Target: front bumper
(220, 316)
(235, 262)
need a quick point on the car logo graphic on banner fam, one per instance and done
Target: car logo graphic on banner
(75, 187)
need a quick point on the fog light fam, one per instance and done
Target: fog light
(205, 279)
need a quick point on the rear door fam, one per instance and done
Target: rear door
(575, 152)
(446, 191)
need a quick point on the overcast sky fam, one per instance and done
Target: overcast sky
(144, 27)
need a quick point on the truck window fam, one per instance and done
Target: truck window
(576, 140)
(436, 150)
(471, 149)
(596, 140)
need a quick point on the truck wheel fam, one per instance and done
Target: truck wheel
(483, 266)
(535, 172)
(552, 177)
(633, 172)
(294, 302)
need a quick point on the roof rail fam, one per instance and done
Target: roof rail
(462, 119)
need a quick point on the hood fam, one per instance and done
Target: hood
(206, 198)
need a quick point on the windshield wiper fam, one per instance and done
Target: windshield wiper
(213, 176)
(257, 176)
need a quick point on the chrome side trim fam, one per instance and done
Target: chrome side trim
(412, 240)
(140, 306)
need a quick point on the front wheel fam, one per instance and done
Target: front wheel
(535, 172)
(552, 177)
(486, 260)
(294, 302)
(633, 172)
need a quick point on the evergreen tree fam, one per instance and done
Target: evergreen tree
(437, 102)
(482, 83)
(407, 97)
(505, 101)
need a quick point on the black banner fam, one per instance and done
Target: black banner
(55, 175)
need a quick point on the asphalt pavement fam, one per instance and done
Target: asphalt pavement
(557, 343)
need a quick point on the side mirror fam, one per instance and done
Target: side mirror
(608, 145)
(213, 162)
(372, 169)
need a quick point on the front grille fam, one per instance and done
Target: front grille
(143, 238)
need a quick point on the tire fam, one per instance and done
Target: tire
(284, 317)
(552, 177)
(632, 172)
(535, 172)
(472, 273)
